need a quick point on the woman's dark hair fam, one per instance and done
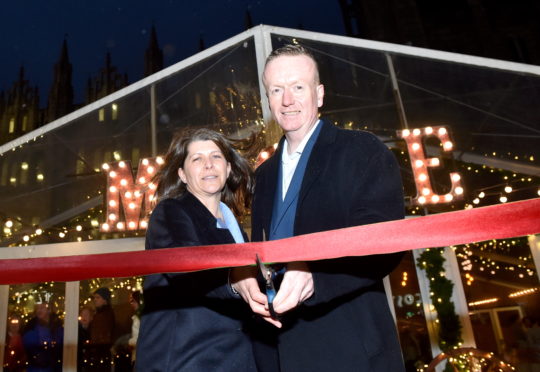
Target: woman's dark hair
(239, 186)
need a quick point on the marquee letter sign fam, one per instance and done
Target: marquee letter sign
(420, 164)
(131, 196)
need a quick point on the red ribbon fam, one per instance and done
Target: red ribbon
(437, 230)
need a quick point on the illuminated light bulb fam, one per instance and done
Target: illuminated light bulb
(265, 155)
(456, 177)
(105, 227)
(418, 163)
(112, 174)
(538, 192)
(144, 224)
(160, 160)
(78, 228)
(448, 197)
(275, 145)
(137, 193)
(142, 180)
(40, 177)
(415, 146)
(128, 194)
(112, 217)
(131, 205)
(145, 162)
(428, 130)
(481, 195)
(405, 133)
(508, 189)
(448, 145)
(476, 201)
(150, 170)
(426, 191)
(61, 234)
(113, 189)
(416, 132)
(422, 200)
(9, 224)
(79, 239)
(503, 199)
(105, 166)
(94, 223)
(39, 231)
(122, 164)
(26, 238)
(442, 131)
(112, 203)
(123, 182)
(435, 198)
(131, 225)
(152, 186)
(422, 177)
(120, 225)
(434, 162)
(459, 190)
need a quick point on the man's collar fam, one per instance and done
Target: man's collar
(302, 144)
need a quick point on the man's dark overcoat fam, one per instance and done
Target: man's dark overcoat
(351, 179)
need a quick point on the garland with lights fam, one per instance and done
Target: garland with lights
(432, 261)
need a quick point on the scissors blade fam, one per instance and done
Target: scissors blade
(269, 284)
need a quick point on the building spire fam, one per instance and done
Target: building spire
(153, 56)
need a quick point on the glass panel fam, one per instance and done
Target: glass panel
(502, 288)
(411, 321)
(35, 330)
(220, 92)
(492, 116)
(107, 312)
(62, 195)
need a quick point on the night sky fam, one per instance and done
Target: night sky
(32, 32)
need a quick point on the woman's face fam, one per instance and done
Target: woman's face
(205, 169)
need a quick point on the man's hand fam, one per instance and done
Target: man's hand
(244, 281)
(296, 287)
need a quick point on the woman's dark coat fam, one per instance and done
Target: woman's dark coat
(191, 321)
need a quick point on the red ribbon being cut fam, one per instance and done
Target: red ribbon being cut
(437, 230)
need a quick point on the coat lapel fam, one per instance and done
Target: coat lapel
(270, 189)
(318, 161)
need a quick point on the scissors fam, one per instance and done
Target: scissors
(268, 274)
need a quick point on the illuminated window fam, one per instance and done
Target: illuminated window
(135, 154)
(11, 125)
(114, 111)
(101, 114)
(25, 123)
(24, 173)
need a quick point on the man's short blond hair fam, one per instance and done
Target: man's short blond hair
(292, 50)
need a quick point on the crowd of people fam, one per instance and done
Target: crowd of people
(37, 346)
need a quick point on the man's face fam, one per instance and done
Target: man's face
(293, 93)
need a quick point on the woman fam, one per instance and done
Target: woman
(193, 321)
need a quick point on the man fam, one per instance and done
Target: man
(333, 314)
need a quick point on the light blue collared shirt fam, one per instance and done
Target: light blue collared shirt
(229, 222)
